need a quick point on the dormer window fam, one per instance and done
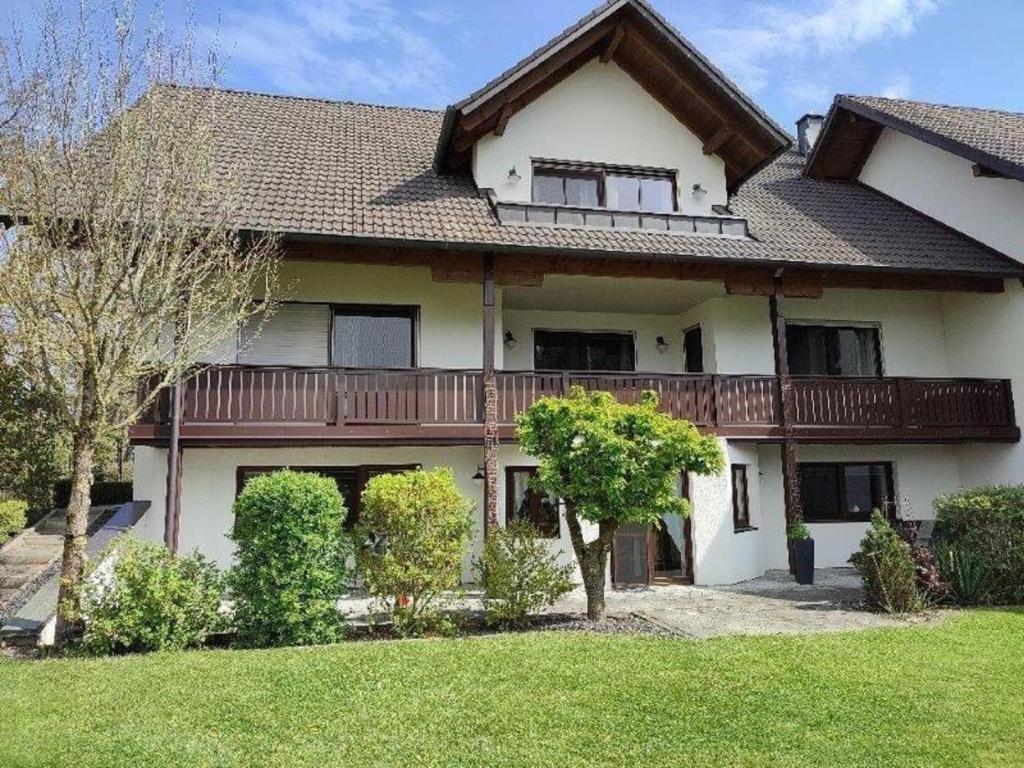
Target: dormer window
(615, 188)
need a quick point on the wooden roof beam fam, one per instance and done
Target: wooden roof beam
(719, 138)
(613, 43)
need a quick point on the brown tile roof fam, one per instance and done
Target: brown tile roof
(365, 173)
(987, 136)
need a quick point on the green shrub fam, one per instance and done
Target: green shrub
(965, 571)
(887, 569)
(149, 600)
(983, 528)
(291, 557)
(13, 517)
(519, 574)
(798, 531)
(425, 520)
(103, 492)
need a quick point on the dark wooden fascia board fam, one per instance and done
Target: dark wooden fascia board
(845, 103)
(530, 262)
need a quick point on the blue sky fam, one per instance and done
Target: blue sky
(791, 56)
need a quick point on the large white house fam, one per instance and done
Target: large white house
(613, 212)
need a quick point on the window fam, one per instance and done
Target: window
(740, 498)
(648, 191)
(833, 350)
(583, 351)
(524, 503)
(350, 481)
(845, 492)
(693, 350)
(367, 336)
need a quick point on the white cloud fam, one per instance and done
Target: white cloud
(898, 87)
(360, 49)
(785, 34)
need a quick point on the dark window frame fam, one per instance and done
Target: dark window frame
(362, 473)
(582, 333)
(600, 173)
(740, 517)
(844, 514)
(535, 500)
(876, 328)
(687, 363)
(409, 311)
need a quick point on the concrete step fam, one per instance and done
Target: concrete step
(17, 576)
(28, 556)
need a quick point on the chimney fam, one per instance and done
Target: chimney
(807, 129)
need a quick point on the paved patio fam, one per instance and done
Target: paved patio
(772, 604)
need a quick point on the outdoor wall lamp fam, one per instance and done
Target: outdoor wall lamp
(698, 190)
(513, 175)
(661, 344)
(479, 476)
(510, 340)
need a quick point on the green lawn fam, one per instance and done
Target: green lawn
(952, 695)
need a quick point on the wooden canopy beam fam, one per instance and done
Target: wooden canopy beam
(719, 138)
(613, 43)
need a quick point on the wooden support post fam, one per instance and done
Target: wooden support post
(172, 500)
(790, 474)
(490, 402)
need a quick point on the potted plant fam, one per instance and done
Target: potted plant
(801, 552)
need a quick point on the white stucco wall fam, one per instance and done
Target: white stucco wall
(942, 185)
(645, 328)
(450, 314)
(985, 337)
(911, 323)
(920, 474)
(149, 483)
(721, 554)
(599, 114)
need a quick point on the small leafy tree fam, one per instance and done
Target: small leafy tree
(887, 569)
(612, 463)
(291, 560)
(422, 523)
(519, 574)
(150, 600)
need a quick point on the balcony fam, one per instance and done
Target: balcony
(238, 405)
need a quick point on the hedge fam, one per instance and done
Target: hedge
(103, 492)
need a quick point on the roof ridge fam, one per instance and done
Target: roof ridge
(291, 97)
(862, 97)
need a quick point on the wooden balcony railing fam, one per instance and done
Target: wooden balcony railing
(839, 409)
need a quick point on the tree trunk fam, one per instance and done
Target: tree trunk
(72, 566)
(593, 559)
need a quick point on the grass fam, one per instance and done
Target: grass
(946, 695)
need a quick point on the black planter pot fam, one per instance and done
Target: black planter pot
(801, 557)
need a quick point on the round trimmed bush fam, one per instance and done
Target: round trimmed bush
(425, 521)
(291, 558)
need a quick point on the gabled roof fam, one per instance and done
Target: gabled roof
(991, 138)
(364, 174)
(640, 41)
